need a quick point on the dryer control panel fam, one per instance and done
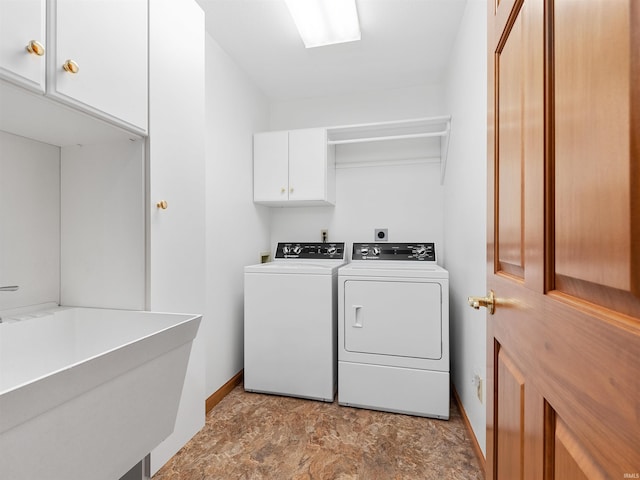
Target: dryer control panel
(316, 251)
(416, 252)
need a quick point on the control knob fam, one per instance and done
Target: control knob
(421, 251)
(331, 250)
(375, 251)
(286, 249)
(297, 249)
(364, 251)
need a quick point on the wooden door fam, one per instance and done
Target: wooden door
(564, 239)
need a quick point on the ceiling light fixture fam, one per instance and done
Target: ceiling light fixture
(325, 22)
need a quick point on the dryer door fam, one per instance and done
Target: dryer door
(399, 318)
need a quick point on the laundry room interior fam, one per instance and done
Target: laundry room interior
(396, 185)
(82, 216)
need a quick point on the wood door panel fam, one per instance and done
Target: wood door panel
(571, 460)
(592, 135)
(510, 420)
(510, 107)
(634, 143)
(501, 11)
(585, 368)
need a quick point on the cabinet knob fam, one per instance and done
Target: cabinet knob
(282, 190)
(35, 48)
(71, 66)
(162, 204)
(291, 190)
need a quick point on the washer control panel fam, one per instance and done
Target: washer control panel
(416, 252)
(316, 251)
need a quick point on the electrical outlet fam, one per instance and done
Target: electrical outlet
(381, 235)
(479, 391)
(479, 384)
(324, 235)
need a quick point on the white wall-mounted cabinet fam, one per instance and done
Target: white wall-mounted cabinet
(108, 43)
(23, 22)
(293, 168)
(94, 53)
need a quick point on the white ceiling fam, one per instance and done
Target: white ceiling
(404, 43)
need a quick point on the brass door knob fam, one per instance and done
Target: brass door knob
(71, 67)
(162, 204)
(489, 302)
(35, 48)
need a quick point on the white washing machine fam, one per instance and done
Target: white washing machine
(393, 330)
(290, 321)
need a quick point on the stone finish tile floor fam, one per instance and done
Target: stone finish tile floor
(254, 436)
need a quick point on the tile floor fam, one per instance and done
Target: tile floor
(255, 436)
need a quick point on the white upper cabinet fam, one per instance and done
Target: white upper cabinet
(293, 167)
(88, 54)
(311, 166)
(271, 167)
(23, 43)
(97, 58)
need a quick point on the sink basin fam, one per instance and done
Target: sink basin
(87, 393)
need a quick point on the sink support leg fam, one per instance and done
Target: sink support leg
(140, 471)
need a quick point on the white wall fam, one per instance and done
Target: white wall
(392, 197)
(362, 107)
(72, 223)
(406, 199)
(102, 225)
(465, 209)
(29, 221)
(237, 230)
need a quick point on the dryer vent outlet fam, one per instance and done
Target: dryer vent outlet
(381, 235)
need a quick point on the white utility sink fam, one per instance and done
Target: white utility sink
(87, 393)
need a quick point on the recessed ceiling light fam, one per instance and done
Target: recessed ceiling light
(325, 22)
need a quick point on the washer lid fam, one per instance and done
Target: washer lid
(299, 267)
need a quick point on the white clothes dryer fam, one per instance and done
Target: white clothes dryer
(393, 330)
(290, 321)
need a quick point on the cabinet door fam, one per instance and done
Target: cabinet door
(308, 164)
(270, 167)
(176, 243)
(22, 21)
(108, 41)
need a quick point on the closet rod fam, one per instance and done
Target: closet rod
(388, 137)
